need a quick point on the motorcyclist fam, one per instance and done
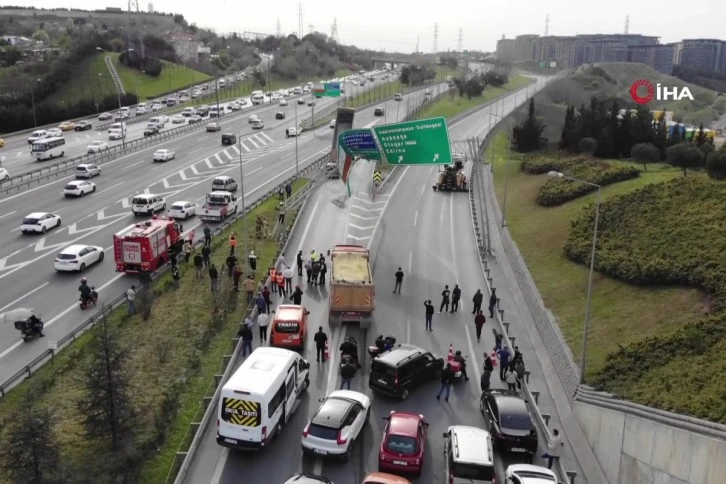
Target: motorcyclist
(36, 324)
(460, 359)
(86, 290)
(348, 347)
(385, 343)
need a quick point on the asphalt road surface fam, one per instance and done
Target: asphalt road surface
(27, 276)
(429, 235)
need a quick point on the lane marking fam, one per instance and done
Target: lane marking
(410, 263)
(8, 214)
(408, 331)
(415, 218)
(107, 189)
(24, 296)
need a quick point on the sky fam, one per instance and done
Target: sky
(398, 25)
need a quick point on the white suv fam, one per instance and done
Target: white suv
(337, 423)
(529, 474)
(469, 455)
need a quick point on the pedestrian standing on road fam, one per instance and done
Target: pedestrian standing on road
(175, 275)
(492, 302)
(511, 379)
(498, 337)
(281, 262)
(250, 286)
(281, 214)
(485, 381)
(519, 369)
(445, 299)
(399, 281)
(503, 355)
(320, 339)
(280, 280)
(190, 237)
(245, 333)
(347, 372)
(236, 276)
(188, 250)
(273, 280)
(261, 304)
(299, 262)
(213, 275)
(477, 300)
(268, 297)
(281, 193)
(263, 321)
(289, 274)
(429, 314)
(288, 190)
(131, 300)
(488, 364)
(206, 253)
(313, 256)
(447, 377)
(198, 265)
(316, 272)
(455, 297)
(252, 259)
(207, 235)
(479, 321)
(309, 270)
(297, 296)
(323, 271)
(553, 448)
(232, 242)
(231, 262)
(517, 356)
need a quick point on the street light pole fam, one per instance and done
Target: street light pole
(297, 168)
(123, 123)
(588, 301)
(32, 100)
(506, 180)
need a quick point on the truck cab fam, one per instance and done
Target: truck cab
(218, 206)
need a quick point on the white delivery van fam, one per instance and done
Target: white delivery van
(147, 204)
(257, 97)
(259, 398)
(187, 112)
(155, 121)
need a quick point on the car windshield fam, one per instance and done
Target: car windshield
(30, 221)
(67, 256)
(516, 422)
(401, 444)
(287, 326)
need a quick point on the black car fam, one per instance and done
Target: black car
(83, 126)
(510, 423)
(228, 139)
(403, 368)
(378, 112)
(151, 131)
(280, 115)
(301, 101)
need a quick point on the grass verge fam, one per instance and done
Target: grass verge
(621, 313)
(174, 356)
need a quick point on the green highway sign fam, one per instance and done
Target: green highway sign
(360, 142)
(332, 89)
(420, 142)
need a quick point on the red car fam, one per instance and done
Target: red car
(403, 443)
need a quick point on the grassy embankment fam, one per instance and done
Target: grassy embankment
(173, 357)
(659, 226)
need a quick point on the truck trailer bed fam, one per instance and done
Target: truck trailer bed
(351, 267)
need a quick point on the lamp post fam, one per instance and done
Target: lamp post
(586, 328)
(242, 197)
(494, 141)
(297, 169)
(506, 179)
(118, 93)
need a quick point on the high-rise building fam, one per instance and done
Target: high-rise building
(660, 57)
(524, 47)
(703, 54)
(505, 49)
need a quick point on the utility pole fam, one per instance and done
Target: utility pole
(436, 38)
(311, 29)
(299, 21)
(334, 30)
(461, 34)
(627, 24)
(279, 29)
(417, 39)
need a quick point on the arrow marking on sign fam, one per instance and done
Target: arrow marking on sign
(436, 157)
(400, 159)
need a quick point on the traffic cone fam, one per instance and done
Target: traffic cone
(451, 352)
(326, 352)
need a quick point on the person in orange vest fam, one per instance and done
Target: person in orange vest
(273, 279)
(232, 242)
(280, 279)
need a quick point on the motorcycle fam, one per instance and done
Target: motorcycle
(456, 367)
(381, 345)
(349, 351)
(27, 330)
(91, 300)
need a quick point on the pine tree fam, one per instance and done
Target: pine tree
(527, 137)
(701, 136)
(660, 134)
(567, 128)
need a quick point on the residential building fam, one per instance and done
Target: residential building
(659, 56)
(524, 47)
(505, 49)
(703, 54)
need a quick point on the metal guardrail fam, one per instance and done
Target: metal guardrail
(43, 358)
(114, 76)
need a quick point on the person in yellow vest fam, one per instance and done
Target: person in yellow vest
(280, 280)
(232, 242)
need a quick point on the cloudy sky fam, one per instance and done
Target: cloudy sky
(395, 25)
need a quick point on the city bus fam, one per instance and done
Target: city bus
(49, 148)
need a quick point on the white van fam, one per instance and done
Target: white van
(224, 183)
(155, 121)
(117, 126)
(147, 204)
(187, 112)
(297, 90)
(221, 83)
(259, 398)
(141, 109)
(37, 136)
(469, 455)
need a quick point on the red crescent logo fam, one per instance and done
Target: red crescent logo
(642, 99)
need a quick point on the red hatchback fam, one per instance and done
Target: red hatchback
(403, 444)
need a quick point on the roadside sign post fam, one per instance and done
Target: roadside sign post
(331, 89)
(420, 142)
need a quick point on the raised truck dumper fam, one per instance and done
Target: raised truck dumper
(218, 206)
(452, 178)
(352, 291)
(146, 245)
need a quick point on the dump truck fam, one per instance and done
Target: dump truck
(452, 178)
(219, 206)
(352, 291)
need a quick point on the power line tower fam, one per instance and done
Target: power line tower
(135, 29)
(547, 25)
(436, 38)
(334, 30)
(461, 35)
(311, 28)
(279, 29)
(627, 24)
(417, 39)
(299, 21)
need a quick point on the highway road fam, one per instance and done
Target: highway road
(26, 264)
(429, 235)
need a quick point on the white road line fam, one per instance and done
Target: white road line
(359, 227)
(229, 157)
(473, 355)
(423, 187)
(410, 263)
(24, 296)
(245, 146)
(126, 167)
(408, 331)
(209, 163)
(236, 150)
(253, 142)
(415, 218)
(7, 214)
(107, 189)
(358, 238)
(265, 135)
(195, 151)
(362, 217)
(451, 233)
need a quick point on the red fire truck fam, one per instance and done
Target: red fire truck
(146, 245)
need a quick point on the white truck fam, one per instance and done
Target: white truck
(218, 206)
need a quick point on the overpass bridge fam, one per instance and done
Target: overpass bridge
(400, 59)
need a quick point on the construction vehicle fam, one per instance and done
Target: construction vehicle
(219, 206)
(452, 177)
(352, 291)
(147, 245)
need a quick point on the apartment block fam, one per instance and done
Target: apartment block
(703, 54)
(660, 57)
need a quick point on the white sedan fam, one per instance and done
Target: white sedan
(78, 188)
(40, 222)
(283, 102)
(55, 133)
(4, 175)
(97, 146)
(78, 257)
(182, 209)
(529, 474)
(337, 424)
(164, 155)
(177, 120)
(253, 118)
